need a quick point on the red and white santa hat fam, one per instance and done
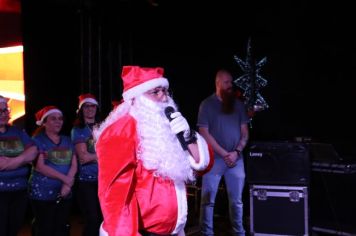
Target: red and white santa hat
(3, 99)
(138, 80)
(87, 98)
(44, 112)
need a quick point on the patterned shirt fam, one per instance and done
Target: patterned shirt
(57, 156)
(87, 172)
(12, 143)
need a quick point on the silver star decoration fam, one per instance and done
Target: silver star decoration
(251, 82)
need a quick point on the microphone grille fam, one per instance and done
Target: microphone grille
(168, 111)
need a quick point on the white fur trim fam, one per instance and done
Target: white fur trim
(182, 206)
(144, 87)
(203, 154)
(40, 122)
(102, 231)
(114, 115)
(90, 100)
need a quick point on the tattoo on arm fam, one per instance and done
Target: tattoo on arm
(243, 139)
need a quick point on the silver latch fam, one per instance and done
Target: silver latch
(294, 196)
(261, 194)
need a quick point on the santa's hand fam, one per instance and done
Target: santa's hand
(179, 124)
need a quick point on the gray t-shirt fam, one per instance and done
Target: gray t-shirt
(225, 128)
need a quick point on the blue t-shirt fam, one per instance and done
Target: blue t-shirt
(89, 171)
(225, 128)
(57, 156)
(12, 143)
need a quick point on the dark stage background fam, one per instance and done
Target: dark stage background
(71, 47)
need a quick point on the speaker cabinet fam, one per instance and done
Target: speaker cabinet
(278, 163)
(333, 195)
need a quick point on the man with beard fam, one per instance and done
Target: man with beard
(143, 167)
(223, 122)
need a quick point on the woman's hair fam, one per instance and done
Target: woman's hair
(80, 122)
(38, 130)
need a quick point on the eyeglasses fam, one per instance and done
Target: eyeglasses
(156, 91)
(4, 111)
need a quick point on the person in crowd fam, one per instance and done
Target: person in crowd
(17, 151)
(146, 153)
(87, 177)
(52, 176)
(223, 122)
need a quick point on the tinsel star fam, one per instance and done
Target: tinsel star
(251, 82)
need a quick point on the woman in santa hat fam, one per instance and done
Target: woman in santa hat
(17, 150)
(53, 174)
(146, 153)
(87, 178)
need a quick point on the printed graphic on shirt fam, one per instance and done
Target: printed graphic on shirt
(90, 145)
(59, 156)
(11, 146)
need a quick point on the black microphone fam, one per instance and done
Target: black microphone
(168, 111)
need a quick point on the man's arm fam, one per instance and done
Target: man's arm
(196, 145)
(211, 140)
(230, 156)
(243, 138)
(116, 151)
(235, 154)
(200, 157)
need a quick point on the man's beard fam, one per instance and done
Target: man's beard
(228, 101)
(159, 148)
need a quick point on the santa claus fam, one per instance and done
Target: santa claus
(146, 153)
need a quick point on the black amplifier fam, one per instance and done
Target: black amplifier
(278, 163)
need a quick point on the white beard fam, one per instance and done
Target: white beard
(159, 148)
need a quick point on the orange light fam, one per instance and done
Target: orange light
(11, 79)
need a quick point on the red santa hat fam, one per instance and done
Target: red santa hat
(138, 80)
(3, 99)
(89, 98)
(44, 112)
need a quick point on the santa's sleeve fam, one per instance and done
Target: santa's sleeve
(204, 155)
(116, 150)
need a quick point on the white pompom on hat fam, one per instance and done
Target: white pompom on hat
(138, 80)
(44, 112)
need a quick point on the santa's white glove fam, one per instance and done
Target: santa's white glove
(179, 124)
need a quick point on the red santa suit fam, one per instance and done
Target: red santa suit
(132, 195)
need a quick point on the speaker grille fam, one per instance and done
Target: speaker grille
(278, 163)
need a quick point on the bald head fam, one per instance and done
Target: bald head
(223, 81)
